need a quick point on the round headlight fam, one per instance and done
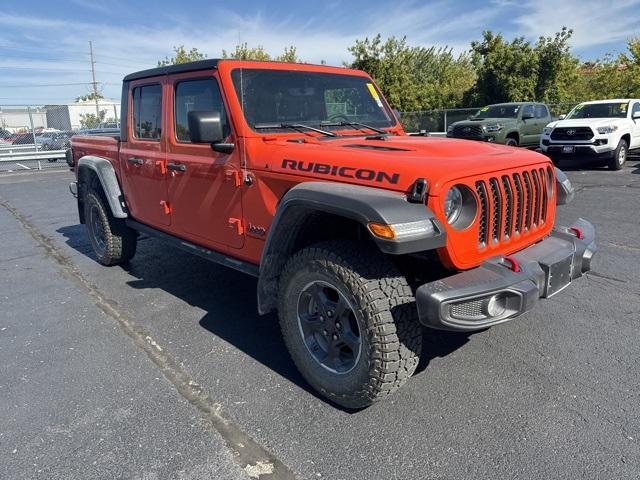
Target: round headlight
(453, 204)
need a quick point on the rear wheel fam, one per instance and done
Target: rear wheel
(112, 241)
(619, 156)
(349, 321)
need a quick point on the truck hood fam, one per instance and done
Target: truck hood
(587, 122)
(394, 162)
(485, 121)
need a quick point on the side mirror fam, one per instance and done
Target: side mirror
(562, 117)
(527, 116)
(206, 127)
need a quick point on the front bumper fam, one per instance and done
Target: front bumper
(589, 151)
(503, 288)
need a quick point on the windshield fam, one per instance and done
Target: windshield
(497, 111)
(273, 97)
(599, 110)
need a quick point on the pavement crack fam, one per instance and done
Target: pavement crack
(252, 457)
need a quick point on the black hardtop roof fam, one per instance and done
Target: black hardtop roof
(169, 69)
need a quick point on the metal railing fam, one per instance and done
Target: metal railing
(32, 160)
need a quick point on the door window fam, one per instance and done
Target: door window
(528, 109)
(147, 112)
(636, 109)
(541, 111)
(200, 96)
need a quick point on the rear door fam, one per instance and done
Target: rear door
(204, 185)
(143, 156)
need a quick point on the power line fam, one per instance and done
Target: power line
(38, 85)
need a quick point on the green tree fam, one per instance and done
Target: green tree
(414, 78)
(557, 69)
(244, 52)
(91, 120)
(181, 55)
(507, 71)
(89, 96)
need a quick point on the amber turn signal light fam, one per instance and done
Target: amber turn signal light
(382, 230)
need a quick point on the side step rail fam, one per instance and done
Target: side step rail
(203, 252)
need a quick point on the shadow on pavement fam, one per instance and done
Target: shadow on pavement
(229, 300)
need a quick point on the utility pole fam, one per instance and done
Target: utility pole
(94, 83)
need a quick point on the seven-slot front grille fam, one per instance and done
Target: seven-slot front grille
(512, 204)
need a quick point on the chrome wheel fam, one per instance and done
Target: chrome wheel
(622, 155)
(328, 327)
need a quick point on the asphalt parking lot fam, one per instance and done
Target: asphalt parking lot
(164, 369)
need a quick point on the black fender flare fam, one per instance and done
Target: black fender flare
(355, 202)
(564, 190)
(108, 179)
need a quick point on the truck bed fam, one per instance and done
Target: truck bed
(104, 145)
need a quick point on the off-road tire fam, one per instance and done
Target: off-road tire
(119, 241)
(619, 155)
(384, 307)
(511, 142)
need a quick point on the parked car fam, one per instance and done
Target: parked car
(55, 140)
(358, 233)
(4, 134)
(514, 124)
(603, 130)
(23, 139)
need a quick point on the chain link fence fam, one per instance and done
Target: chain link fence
(437, 121)
(36, 137)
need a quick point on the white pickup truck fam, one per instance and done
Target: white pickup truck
(603, 130)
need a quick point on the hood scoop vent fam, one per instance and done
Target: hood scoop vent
(379, 148)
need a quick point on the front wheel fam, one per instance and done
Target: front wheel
(619, 156)
(511, 142)
(349, 321)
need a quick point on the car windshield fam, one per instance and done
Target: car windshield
(599, 110)
(497, 111)
(273, 99)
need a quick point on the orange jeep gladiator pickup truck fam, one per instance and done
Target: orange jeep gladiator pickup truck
(358, 233)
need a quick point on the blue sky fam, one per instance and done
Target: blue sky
(44, 44)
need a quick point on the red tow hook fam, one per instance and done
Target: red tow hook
(515, 265)
(577, 232)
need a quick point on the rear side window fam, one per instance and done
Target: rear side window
(147, 112)
(200, 96)
(541, 111)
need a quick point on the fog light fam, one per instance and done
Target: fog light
(495, 305)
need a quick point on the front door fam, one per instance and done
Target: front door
(204, 186)
(635, 134)
(143, 155)
(529, 127)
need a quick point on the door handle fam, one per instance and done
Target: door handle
(135, 161)
(180, 167)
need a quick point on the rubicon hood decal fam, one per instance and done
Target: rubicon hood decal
(341, 171)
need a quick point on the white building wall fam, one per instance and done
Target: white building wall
(15, 119)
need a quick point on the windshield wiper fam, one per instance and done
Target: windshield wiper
(293, 126)
(353, 124)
